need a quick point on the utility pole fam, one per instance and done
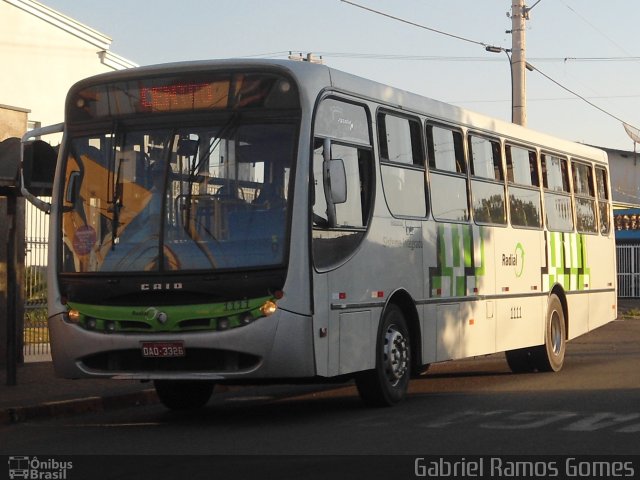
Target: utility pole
(519, 15)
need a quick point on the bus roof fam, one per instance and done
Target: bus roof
(317, 77)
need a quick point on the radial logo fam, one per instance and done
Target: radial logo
(515, 260)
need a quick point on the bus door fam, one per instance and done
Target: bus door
(342, 197)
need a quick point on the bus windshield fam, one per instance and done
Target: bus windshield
(173, 198)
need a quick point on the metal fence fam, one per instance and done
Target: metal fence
(36, 334)
(628, 267)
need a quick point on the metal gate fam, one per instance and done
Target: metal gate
(36, 334)
(628, 268)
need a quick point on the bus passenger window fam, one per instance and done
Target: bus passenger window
(585, 197)
(603, 201)
(525, 206)
(557, 196)
(448, 179)
(399, 140)
(487, 184)
(403, 171)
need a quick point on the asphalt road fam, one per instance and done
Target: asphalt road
(469, 407)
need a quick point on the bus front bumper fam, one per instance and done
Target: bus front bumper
(278, 346)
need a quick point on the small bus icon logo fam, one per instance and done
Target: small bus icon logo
(18, 467)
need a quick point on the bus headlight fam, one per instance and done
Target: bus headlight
(246, 318)
(74, 316)
(268, 308)
(223, 323)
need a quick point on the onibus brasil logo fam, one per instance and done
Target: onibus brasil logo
(515, 259)
(38, 469)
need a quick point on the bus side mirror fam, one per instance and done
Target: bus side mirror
(38, 167)
(335, 182)
(338, 178)
(38, 162)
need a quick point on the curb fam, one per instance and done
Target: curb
(13, 415)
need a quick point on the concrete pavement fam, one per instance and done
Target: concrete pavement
(40, 394)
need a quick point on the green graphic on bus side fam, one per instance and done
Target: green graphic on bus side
(461, 261)
(566, 261)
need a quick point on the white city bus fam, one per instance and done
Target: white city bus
(278, 221)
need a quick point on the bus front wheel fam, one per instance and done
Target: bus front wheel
(184, 394)
(387, 383)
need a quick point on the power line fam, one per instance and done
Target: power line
(582, 17)
(378, 12)
(487, 45)
(449, 58)
(544, 99)
(584, 99)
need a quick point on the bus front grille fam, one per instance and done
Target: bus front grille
(194, 360)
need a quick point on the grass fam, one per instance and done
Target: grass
(631, 313)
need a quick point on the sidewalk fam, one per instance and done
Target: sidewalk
(40, 394)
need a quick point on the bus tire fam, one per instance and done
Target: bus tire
(520, 360)
(550, 356)
(387, 383)
(184, 394)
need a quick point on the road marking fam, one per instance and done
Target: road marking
(527, 420)
(460, 416)
(570, 421)
(600, 421)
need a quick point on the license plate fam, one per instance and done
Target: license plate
(162, 349)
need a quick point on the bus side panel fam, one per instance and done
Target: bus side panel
(459, 261)
(519, 255)
(465, 329)
(355, 355)
(603, 308)
(520, 322)
(321, 314)
(478, 323)
(579, 307)
(603, 277)
(449, 324)
(429, 318)
(429, 334)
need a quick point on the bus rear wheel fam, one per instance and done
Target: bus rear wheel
(387, 384)
(184, 394)
(550, 356)
(520, 360)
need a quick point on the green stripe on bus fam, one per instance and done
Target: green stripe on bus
(455, 240)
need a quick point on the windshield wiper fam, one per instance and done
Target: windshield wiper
(116, 205)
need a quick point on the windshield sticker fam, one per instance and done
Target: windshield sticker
(84, 239)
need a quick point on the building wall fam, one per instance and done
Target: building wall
(13, 121)
(43, 53)
(625, 176)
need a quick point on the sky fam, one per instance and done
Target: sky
(588, 46)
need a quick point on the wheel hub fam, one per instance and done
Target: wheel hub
(556, 334)
(396, 355)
